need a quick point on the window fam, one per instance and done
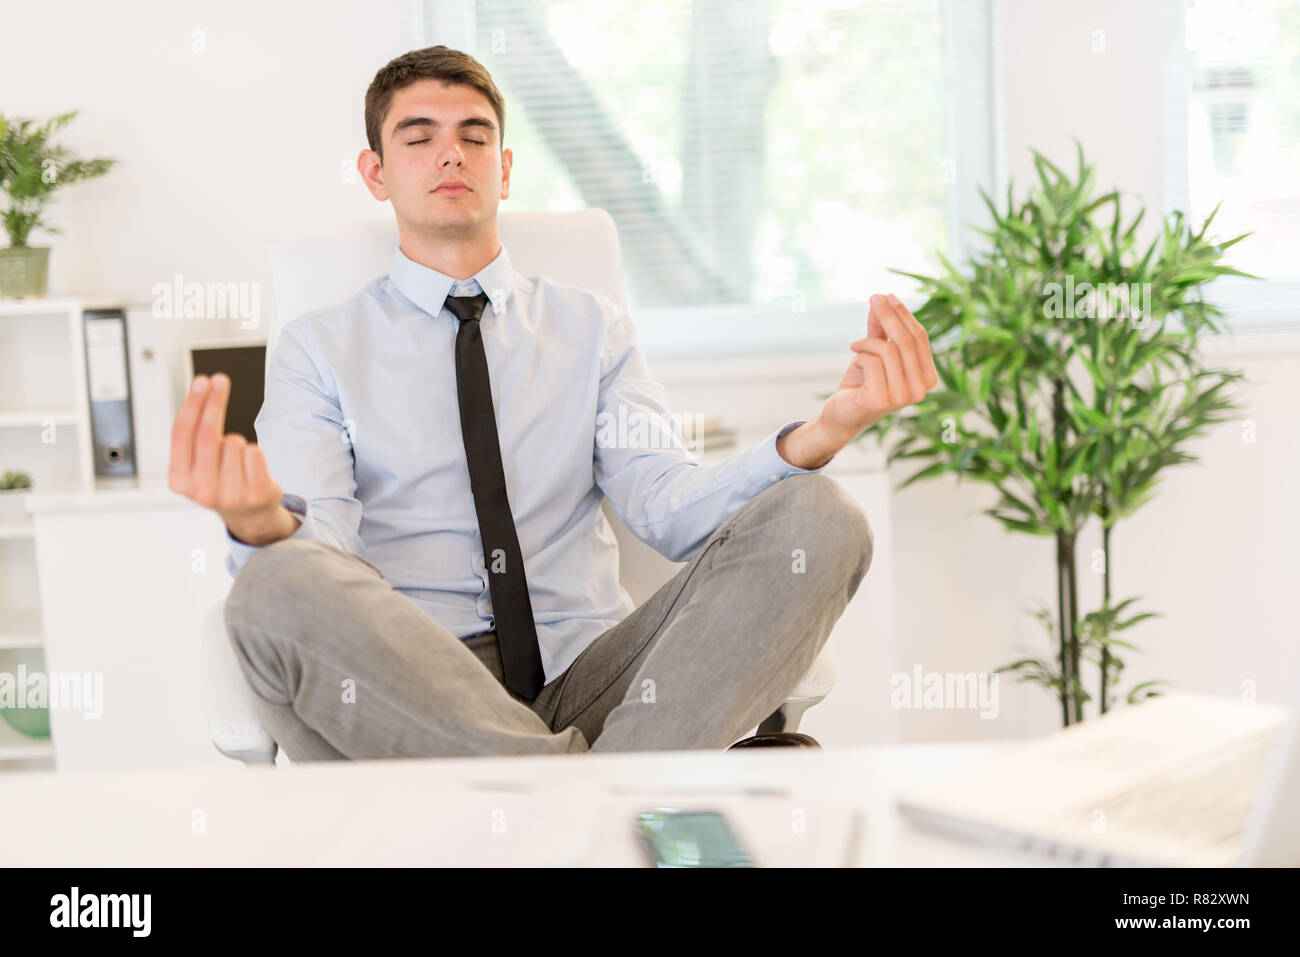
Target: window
(1241, 84)
(767, 162)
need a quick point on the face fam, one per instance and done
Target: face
(436, 134)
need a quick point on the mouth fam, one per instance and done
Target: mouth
(451, 190)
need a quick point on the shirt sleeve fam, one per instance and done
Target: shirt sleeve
(665, 495)
(303, 434)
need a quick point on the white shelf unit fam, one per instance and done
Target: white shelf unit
(45, 431)
(43, 385)
(20, 628)
(15, 746)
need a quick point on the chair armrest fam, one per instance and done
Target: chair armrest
(820, 678)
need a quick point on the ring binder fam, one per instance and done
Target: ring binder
(108, 381)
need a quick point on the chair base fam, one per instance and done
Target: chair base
(777, 739)
(788, 716)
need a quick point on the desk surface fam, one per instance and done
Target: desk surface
(808, 808)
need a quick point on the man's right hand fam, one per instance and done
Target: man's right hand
(225, 473)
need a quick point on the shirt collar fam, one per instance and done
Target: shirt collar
(428, 288)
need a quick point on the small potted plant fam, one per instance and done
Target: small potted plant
(14, 489)
(31, 169)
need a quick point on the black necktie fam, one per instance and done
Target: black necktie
(521, 660)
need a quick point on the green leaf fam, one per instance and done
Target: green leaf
(1097, 375)
(930, 471)
(1135, 619)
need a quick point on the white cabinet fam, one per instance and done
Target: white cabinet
(126, 577)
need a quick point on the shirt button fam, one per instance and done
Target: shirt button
(774, 478)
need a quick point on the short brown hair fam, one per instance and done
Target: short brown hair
(432, 63)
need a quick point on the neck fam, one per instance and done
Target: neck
(459, 257)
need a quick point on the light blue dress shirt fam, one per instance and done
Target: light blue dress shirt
(361, 420)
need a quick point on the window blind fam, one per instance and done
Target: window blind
(785, 153)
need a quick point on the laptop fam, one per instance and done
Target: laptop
(1180, 780)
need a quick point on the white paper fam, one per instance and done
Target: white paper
(106, 359)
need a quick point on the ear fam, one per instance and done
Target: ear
(507, 160)
(371, 168)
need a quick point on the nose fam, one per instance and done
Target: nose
(451, 152)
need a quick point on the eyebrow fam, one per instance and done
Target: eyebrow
(411, 121)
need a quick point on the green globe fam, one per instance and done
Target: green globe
(33, 722)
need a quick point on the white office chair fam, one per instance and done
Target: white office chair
(327, 267)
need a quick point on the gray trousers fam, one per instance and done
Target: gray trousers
(343, 666)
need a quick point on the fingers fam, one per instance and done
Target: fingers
(204, 473)
(222, 472)
(887, 369)
(231, 492)
(902, 328)
(882, 323)
(182, 460)
(899, 332)
(867, 378)
(259, 486)
(874, 330)
(929, 374)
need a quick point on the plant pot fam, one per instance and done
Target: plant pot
(24, 271)
(13, 503)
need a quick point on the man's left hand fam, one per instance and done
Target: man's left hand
(893, 368)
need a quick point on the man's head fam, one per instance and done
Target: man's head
(435, 117)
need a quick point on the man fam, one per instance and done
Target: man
(438, 578)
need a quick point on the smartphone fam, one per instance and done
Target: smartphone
(673, 838)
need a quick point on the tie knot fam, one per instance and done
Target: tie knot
(467, 308)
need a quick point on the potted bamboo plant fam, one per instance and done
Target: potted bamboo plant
(31, 169)
(14, 489)
(1070, 381)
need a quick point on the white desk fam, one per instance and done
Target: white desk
(553, 810)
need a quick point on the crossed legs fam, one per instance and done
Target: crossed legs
(343, 666)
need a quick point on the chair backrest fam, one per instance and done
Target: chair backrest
(328, 266)
(579, 247)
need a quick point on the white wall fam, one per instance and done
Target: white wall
(219, 150)
(1057, 88)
